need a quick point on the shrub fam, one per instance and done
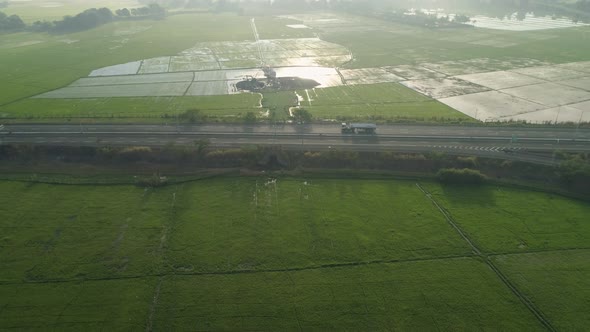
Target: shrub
(151, 181)
(460, 176)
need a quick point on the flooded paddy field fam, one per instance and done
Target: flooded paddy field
(543, 94)
(214, 253)
(443, 65)
(528, 22)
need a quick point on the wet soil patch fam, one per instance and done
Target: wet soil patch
(277, 84)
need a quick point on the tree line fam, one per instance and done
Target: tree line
(11, 23)
(88, 19)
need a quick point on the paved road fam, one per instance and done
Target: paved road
(528, 144)
(326, 129)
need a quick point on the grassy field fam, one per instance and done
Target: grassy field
(500, 225)
(56, 61)
(448, 295)
(270, 27)
(291, 253)
(159, 107)
(396, 44)
(376, 101)
(558, 281)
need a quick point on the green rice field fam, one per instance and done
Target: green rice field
(264, 253)
(376, 101)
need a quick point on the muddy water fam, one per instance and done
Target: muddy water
(279, 84)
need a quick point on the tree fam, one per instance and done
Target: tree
(11, 23)
(201, 145)
(192, 115)
(301, 115)
(42, 26)
(124, 12)
(460, 176)
(250, 117)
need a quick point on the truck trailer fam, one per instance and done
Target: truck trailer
(358, 128)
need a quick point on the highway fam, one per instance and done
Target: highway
(515, 143)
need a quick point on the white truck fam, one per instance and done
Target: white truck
(358, 128)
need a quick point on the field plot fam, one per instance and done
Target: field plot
(155, 65)
(145, 107)
(498, 42)
(246, 54)
(426, 295)
(251, 225)
(54, 63)
(126, 90)
(453, 68)
(557, 281)
(577, 66)
(212, 88)
(275, 27)
(551, 73)
(63, 233)
(497, 223)
(549, 94)
(129, 68)
(203, 63)
(580, 83)
(410, 72)
(444, 88)
(134, 79)
(500, 79)
(385, 100)
(191, 63)
(492, 106)
(369, 76)
(529, 22)
(546, 94)
(76, 305)
(269, 254)
(572, 113)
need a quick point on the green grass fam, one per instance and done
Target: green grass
(30, 70)
(270, 27)
(504, 220)
(556, 281)
(214, 106)
(448, 295)
(117, 305)
(62, 232)
(279, 103)
(251, 224)
(252, 254)
(375, 101)
(395, 44)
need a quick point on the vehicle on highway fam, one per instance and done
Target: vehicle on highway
(358, 128)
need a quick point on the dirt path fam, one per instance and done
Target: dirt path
(150, 322)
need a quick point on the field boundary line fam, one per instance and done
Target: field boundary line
(450, 220)
(527, 302)
(237, 272)
(150, 320)
(540, 251)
